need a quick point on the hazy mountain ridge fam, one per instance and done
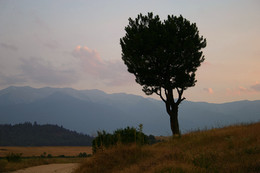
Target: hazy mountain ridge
(90, 110)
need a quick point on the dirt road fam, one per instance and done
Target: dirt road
(51, 168)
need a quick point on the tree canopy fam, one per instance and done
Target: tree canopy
(163, 55)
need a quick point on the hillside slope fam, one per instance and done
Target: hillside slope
(229, 149)
(28, 134)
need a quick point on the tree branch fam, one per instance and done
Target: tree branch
(180, 92)
(159, 92)
(171, 96)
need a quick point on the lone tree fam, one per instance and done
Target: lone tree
(163, 56)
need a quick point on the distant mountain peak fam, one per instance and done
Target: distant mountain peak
(91, 110)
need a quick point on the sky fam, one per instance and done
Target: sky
(75, 43)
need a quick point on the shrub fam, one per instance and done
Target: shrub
(83, 155)
(152, 140)
(14, 157)
(120, 136)
(43, 155)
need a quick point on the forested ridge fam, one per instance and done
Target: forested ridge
(28, 134)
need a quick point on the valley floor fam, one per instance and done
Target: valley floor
(60, 156)
(52, 150)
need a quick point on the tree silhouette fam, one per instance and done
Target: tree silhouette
(163, 56)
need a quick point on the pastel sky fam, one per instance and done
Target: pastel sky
(75, 43)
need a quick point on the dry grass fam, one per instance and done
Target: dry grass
(229, 149)
(37, 151)
(25, 163)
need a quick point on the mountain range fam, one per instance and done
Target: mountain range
(88, 111)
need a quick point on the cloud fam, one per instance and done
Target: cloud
(52, 45)
(239, 91)
(112, 73)
(86, 65)
(253, 89)
(209, 90)
(89, 59)
(256, 87)
(41, 71)
(9, 46)
(6, 80)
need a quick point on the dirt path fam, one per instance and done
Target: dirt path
(51, 168)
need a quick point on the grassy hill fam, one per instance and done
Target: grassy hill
(229, 149)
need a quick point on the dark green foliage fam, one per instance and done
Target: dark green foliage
(152, 139)
(84, 154)
(28, 134)
(163, 56)
(121, 136)
(130, 135)
(43, 155)
(14, 157)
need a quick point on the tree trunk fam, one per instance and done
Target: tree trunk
(172, 110)
(174, 121)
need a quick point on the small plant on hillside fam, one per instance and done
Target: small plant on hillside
(103, 140)
(131, 135)
(120, 136)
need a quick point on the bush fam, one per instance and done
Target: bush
(152, 140)
(43, 155)
(14, 157)
(120, 136)
(83, 155)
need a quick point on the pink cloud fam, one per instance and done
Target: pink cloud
(110, 72)
(243, 89)
(84, 51)
(239, 91)
(89, 59)
(256, 87)
(209, 90)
